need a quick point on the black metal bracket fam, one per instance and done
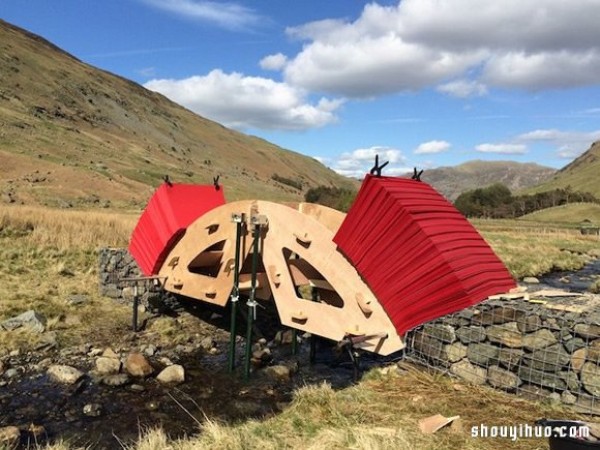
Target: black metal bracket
(376, 170)
(216, 182)
(167, 180)
(417, 175)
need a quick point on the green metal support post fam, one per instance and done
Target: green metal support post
(252, 300)
(235, 294)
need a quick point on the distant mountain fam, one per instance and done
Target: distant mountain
(581, 174)
(453, 181)
(71, 134)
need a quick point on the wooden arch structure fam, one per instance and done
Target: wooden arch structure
(402, 256)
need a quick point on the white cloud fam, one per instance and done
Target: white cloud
(421, 43)
(569, 144)
(503, 149)
(229, 15)
(241, 102)
(432, 147)
(322, 159)
(463, 88)
(273, 62)
(360, 161)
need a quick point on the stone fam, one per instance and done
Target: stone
(427, 346)
(174, 374)
(137, 388)
(527, 324)
(507, 334)
(574, 344)
(538, 339)
(548, 359)
(29, 319)
(546, 379)
(500, 315)
(590, 378)
(594, 351)
(138, 366)
(77, 299)
(567, 398)
(587, 331)
(469, 372)
(532, 392)
(11, 373)
(92, 409)
(64, 374)
(150, 350)
(286, 337)
(454, 352)
(107, 366)
(587, 404)
(578, 358)
(441, 332)
(277, 373)
(115, 380)
(109, 353)
(510, 357)
(531, 280)
(482, 354)
(469, 334)
(572, 380)
(9, 437)
(1, 368)
(502, 378)
(207, 343)
(264, 354)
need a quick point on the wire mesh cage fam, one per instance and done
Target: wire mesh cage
(546, 346)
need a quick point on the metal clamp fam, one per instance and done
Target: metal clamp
(417, 175)
(376, 170)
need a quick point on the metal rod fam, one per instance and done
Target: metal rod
(313, 339)
(135, 308)
(294, 341)
(251, 301)
(235, 295)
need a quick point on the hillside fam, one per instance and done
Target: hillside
(581, 174)
(574, 213)
(74, 135)
(452, 181)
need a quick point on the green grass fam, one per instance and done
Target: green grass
(574, 213)
(533, 248)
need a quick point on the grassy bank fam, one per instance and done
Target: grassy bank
(48, 255)
(533, 248)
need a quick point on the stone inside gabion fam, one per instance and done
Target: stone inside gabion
(539, 348)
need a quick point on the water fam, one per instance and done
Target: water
(209, 390)
(576, 281)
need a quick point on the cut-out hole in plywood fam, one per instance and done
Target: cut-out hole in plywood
(209, 261)
(307, 278)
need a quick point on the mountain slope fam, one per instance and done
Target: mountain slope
(74, 134)
(581, 174)
(452, 181)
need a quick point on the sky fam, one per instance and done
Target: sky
(422, 83)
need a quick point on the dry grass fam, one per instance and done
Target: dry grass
(381, 412)
(46, 256)
(533, 248)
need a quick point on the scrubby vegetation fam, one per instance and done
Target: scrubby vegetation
(496, 201)
(336, 198)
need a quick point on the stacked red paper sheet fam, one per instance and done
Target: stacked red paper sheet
(171, 209)
(419, 255)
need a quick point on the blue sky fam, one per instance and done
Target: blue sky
(423, 83)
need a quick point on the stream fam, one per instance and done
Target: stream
(209, 390)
